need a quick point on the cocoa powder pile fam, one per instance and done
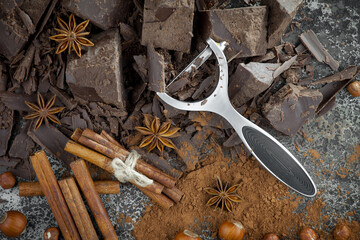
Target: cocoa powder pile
(267, 205)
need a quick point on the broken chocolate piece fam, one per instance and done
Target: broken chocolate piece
(286, 65)
(22, 71)
(53, 141)
(168, 24)
(3, 77)
(140, 66)
(290, 107)
(102, 13)
(280, 15)
(6, 124)
(311, 42)
(24, 169)
(5, 161)
(68, 101)
(348, 73)
(329, 92)
(156, 70)
(22, 146)
(97, 75)
(127, 32)
(250, 80)
(233, 140)
(243, 28)
(14, 33)
(327, 107)
(209, 119)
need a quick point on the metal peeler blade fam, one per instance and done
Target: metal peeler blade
(265, 148)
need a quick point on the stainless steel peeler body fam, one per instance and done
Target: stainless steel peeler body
(265, 148)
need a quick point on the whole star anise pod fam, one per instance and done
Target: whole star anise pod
(223, 195)
(43, 112)
(71, 36)
(157, 134)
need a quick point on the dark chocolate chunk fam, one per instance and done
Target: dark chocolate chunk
(209, 119)
(200, 136)
(5, 161)
(140, 66)
(348, 73)
(329, 92)
(22, 146)
(24, 170)
(311, 42)
(68, 101)
(102, 13)
(97, 75)
(178, 85)
(280, 16)
(6, 124)
(127, 32)
(18, 20)
(250, 80)
(290, 107)
(168, 24)
(156, 70)
(53, 141)
(243, 28)
(327, 107)
(78, 122)
(3, 77)
(233, 140)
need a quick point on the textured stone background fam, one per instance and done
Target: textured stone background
(335, 135)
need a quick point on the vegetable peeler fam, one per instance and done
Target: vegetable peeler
(265, 148)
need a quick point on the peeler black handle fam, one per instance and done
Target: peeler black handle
(278, 161)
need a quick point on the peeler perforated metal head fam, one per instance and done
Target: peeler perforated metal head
(265, 148)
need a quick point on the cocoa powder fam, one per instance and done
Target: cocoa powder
(267, 205)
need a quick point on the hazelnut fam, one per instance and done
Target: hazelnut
(271, 236)
(341, 232)
(354, 88)
(13, 223)
(231, 231)
(308, 234)
(51, 233)
(7, 180)
(187, 235)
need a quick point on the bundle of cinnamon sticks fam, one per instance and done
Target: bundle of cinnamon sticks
(100, 149)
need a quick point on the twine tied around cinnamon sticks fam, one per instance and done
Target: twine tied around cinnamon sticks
(125, 172)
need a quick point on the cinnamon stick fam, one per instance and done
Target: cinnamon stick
(101, 161)
(87, 187)
(77, 208)
(29, 189)
(174, 193)
(110, 138)
(160, 199)
(112, 150)
(93, 157)
(53, 195)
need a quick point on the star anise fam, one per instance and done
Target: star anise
(71, 36)
(223, 195)
(43, 112)
(157, 135)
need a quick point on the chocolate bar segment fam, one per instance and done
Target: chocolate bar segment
(243, 28)
(290, 107)
(168, 24)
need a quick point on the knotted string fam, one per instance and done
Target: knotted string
(125, 172)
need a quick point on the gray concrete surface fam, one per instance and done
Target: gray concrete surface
(335, 135)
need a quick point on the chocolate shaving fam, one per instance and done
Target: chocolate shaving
(22, 146)
(56, 146)
(312, 43)
(329, 92)
(156, 70)
(348, 73)
(22, 70)
(6, 125)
